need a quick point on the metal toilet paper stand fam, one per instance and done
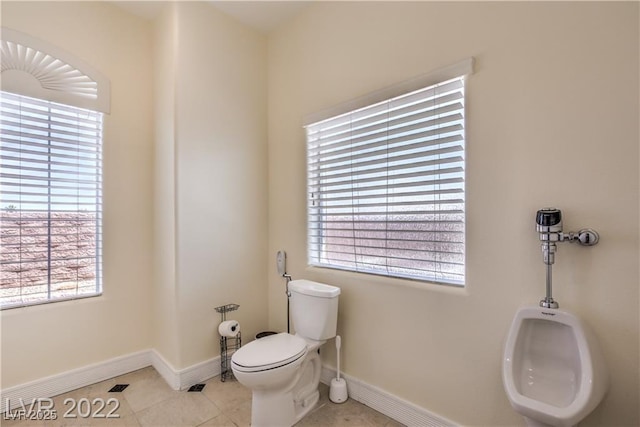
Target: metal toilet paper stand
(228, 345)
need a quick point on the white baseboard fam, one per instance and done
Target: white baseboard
(165, 369)
(185, 378)
(94, 373)
(76, 378)
(392, 406)
(199, 372)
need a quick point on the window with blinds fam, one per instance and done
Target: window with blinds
(386, 188)
(50, 200)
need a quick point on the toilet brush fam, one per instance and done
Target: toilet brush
(338, 389)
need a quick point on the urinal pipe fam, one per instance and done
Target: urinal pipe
(549, 282)
(549, 250)
(548, 301)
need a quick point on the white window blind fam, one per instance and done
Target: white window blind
(386, 187)
(51, 201)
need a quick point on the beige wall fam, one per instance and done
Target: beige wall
(53, 338)
(185, 191)
(552, 120)
(165, 292)
(212, 223)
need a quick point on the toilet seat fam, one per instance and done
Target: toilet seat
(269, 353)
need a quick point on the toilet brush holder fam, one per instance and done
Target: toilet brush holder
(338, 388)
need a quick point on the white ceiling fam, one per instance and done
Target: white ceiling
(144, 9)
(263, 16)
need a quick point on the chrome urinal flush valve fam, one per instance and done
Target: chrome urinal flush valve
(549, 228)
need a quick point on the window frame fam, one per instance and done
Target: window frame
(34, 130)
(316, 249)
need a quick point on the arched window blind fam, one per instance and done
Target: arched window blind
(386, 188)
(32, 67)
(50, 175)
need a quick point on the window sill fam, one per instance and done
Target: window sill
(38, 303)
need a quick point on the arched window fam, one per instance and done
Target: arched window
(51, 173)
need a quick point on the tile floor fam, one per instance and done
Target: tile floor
(149, 401)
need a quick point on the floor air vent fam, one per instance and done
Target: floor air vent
(118, 388)
(197, 387)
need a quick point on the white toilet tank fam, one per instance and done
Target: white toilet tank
(314, 309)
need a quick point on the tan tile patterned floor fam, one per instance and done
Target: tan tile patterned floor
(149, 401)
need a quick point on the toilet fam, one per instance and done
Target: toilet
(552, 370)
(283, 370)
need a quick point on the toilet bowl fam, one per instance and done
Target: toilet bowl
(552, 370)
(283, 370)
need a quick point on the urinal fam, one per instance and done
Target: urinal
(553, 371)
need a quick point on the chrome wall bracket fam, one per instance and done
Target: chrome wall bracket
(584, 237)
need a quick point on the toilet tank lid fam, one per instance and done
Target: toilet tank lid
(315, 289)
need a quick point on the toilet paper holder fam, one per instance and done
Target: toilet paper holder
(228, 345)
